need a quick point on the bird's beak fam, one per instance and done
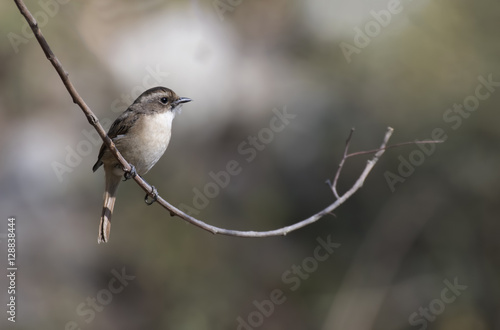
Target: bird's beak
(181, 100)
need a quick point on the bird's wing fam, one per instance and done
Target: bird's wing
(119, 128)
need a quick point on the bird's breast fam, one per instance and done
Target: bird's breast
(148, 140)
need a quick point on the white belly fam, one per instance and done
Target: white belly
(146, 142)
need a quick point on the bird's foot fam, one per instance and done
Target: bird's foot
(130, 174)
(154, 196)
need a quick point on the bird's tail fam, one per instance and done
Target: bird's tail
(112, 182)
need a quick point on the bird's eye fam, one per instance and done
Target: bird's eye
(164, 100)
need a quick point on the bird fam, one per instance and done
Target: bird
(141, 134)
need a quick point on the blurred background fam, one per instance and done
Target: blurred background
(419, 245)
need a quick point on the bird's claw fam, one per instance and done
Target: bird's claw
(130, 174)
(154, 196)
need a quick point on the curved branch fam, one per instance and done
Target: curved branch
(285, 230)
(148, 188)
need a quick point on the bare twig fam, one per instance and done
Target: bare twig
(173, 210)
(333, 185)
(359, 153)
(77, 99)
(341, 164)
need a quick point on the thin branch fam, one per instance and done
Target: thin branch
(285, 230)
(333, 185)
(147, 187)
(77, 99)
(341, 165)
(359, 153)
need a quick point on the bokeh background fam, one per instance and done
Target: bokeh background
(239, 60)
